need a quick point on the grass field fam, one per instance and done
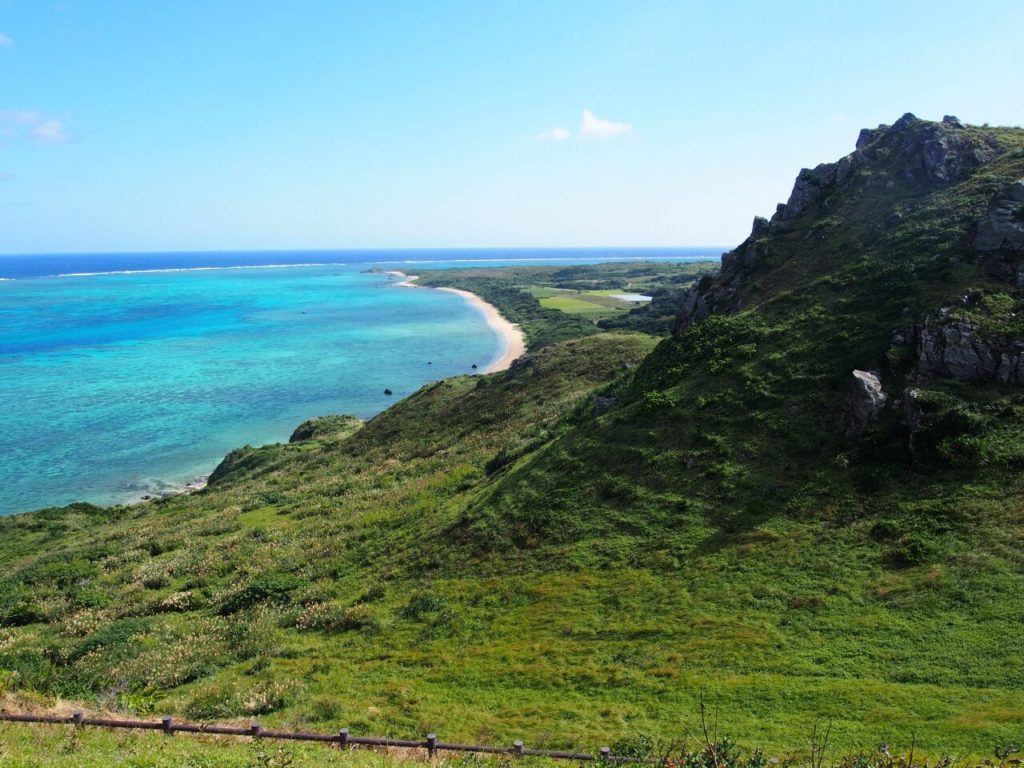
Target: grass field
(594, 305)
(577, 299)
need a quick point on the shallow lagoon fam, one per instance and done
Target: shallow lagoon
(114, 386)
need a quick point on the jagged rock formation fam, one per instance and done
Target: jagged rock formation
(864, 403)
(1002, 227)
(911, 152)
(953, 347)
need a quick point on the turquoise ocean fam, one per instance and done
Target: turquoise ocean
(123, 375)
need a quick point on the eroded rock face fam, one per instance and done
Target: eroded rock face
(955, 348)
(909, 151)
(864, 403)
(943, 151)
(808, 188)
(1002, 226)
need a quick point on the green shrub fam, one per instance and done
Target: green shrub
(270, 587)
(424, 603)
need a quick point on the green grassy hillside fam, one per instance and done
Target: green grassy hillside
(505, 556)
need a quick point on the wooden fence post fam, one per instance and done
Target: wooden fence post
(256, 729)
(77, 717)
(431, 745)
(167, 723)
(518, 747)
(606, 754)
(343, 738)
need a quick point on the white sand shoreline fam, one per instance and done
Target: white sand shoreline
(510, 333)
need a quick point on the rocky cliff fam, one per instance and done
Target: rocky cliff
(910, 156)
(939, 206)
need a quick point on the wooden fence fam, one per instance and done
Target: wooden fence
(342, 738)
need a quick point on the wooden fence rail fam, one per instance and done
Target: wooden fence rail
(342, 738)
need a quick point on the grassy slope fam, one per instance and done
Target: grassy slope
(791, 570)
(489, 561)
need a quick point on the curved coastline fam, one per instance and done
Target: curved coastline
(510, 333)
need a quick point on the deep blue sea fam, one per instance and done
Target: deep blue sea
(130, 374)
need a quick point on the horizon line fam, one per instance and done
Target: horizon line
(381, 249)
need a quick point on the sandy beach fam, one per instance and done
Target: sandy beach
(407, 280)
(510, 333)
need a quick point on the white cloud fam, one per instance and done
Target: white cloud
(40, 126)
(5, 41)
(50, 131)
(595, 126)
(555, 134)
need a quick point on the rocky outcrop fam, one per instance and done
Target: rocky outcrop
(911, 151)
(1002, 226)
(955, 349)
(808, 188)
(952, 346)
(864, 403)
(719, 293)
(938, 152)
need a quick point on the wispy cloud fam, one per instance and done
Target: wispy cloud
(51, 131)
(5, 41)
(555, 134)
(41, 127)
(593, 125)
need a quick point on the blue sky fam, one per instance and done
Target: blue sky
(192, 125)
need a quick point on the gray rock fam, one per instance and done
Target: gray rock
(938, 152)
(948, 154)
(808, 188)
(864, 403)
(1011, 367)
(604, 404)
(692, 307)
(1002, 226)
(868, 136)
(846, 167)
(954, 348)
(905, 120)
